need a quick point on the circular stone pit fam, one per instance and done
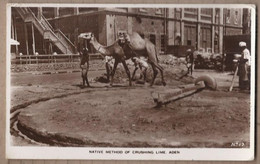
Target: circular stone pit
(127, 117)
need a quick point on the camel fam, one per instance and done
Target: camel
(134, 45)
(114, 50)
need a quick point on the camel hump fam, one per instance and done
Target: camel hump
(136, 41)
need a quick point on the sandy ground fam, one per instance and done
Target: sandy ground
(64, 114)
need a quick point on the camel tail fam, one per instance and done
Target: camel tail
(156, 54)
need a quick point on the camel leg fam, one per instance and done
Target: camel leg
(161, 71)
(83, 81)
(113, 73)
(108, 71)
(86, 78)
(155, 72)
(191, 69)
(127, 72)
(133, 75)
(83, 77)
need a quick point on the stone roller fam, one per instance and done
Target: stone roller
(202, 82)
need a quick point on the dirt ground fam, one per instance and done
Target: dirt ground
(123, 116)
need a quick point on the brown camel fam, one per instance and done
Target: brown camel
(134, 45)
(114, 50)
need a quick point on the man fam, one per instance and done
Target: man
(190, 61)
(244, 67)
(84, 63)
(143, 65)
(109, 61)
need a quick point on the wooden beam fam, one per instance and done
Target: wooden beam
(39, 12)
(213, 31)
(56, 12)
(182, 27)
(33, 39)
(15, 35)
(76, 11)
(26, 38)
(198, 29)
(221, 31)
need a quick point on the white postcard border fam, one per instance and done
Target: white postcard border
(204, 154)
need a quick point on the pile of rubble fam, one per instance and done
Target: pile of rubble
(173, 60)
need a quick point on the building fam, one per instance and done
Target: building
(48, 29)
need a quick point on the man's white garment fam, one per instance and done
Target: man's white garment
(246, 55)
(109, 60)
(141, 62)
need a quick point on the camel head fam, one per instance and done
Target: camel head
(123, 38)
(89, 36)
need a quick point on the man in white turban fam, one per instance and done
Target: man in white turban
(190, 61)
(244, 67)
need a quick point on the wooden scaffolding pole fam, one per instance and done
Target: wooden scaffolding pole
(33, 39)
(26, 39)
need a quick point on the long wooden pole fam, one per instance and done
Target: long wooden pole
(26, 39)
(33, 39)
(233, 80)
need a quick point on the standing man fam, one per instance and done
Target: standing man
(190, 61)
(109, 61)
(84, 62)
(244, 67)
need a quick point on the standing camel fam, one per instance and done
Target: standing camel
(135, 44)
(114, 50)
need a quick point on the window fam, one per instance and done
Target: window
(189, 34)
(192, 10)
(48, 12)
(158, 11)
(87, 9)
(178, 13)
(206, 11)
(66, 11)
(228, 16)
(205, 37)
(217, 16)
(143, 10)
(236, 17)
(163, 43)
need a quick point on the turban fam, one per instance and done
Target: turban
(242, 44)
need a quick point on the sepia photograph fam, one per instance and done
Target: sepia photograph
(146, 81)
